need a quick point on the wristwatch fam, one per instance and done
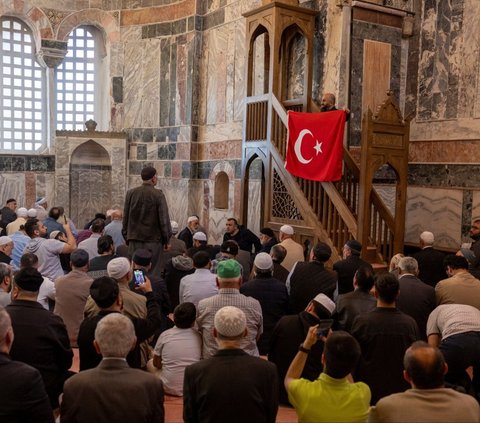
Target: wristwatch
(303, 349)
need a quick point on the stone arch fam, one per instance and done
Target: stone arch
(218, 217)
(90, 181)
(34, 17)
(104, 21)
(222, 189)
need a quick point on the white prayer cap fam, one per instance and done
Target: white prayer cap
(199, 236)
(230, 321)
(118, 267)
(287, 230)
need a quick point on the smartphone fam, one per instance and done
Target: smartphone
(323, 327)
(139, 276)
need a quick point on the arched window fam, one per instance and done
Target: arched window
(220, 200)
(77, 81)
(22, 87)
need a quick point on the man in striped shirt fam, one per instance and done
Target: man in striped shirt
(228, 280)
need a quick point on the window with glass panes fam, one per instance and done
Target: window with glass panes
(75, 82)
(22, 87)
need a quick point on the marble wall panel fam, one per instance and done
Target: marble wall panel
(176, 193)
(254, 206)
(217, 73)
(387, 194)
(12, 185)
(151, 84)
(240, 90)
(475, 206)
(221, 132)
(448, 66)
(132, 84)
(436, 210)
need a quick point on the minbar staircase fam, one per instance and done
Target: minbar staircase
(326, 211)
(335, 212)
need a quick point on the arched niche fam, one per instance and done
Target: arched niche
(221, 193)
(295, 61)
(90, 172)
(90, 182)
(259, 62)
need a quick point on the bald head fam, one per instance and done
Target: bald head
(6, 331)
(424, 366)
(117, 214)
(328, 102)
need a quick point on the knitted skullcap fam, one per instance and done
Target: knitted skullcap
(230, 321)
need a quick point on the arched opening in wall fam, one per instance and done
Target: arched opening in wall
(259, 62)
(294, 48)
(90, 182)
(385, 184)
(254, 197)
(81, 81)
(222, 183)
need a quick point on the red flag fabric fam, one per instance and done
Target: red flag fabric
(315, 145)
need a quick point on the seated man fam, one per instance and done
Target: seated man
(332, 397)
(41, 337)
(113, 392)
(22, 393)
(428, 400)
(231, 386)
(176, 349)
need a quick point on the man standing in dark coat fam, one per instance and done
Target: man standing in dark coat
(384, 335)
(41, 337)
(417, 299)
(22, 393)
(430, 261)
(347, 267)
(290, 332)
(309, 279)
(270, 293)
(359, 301)
(231, 386)
(146, 223)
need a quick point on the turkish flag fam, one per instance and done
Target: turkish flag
(315, 145)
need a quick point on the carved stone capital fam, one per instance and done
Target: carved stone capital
(52, 52)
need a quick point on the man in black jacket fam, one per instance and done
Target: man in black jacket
(359, 301)
(309, 279)
(430, 261)
(417, 299)
(347, 267)
(41, 337)
(106, 294)
(231, 386)
(146, 223)
(22, 393)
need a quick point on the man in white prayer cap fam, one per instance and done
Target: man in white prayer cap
(230, 373)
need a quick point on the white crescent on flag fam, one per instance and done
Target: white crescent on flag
(298, 146)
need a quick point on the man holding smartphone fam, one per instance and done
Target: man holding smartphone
(333, 397)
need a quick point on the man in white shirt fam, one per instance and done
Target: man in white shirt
(200, 284)
(176, 349)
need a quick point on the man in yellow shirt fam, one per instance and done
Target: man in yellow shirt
(333, 397)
